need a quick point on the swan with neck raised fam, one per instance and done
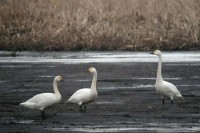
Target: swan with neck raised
(165, 89)
(44, 100)
(86, 95)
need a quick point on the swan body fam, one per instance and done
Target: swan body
(41, 101)
(85, 95)
(44, 100)
(166, 89)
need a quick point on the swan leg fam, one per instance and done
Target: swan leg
(43, 114)
(80, 109)
(84, 109)
(163, 101)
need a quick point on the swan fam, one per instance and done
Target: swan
(85, 95)
(166, 89)
(44, 100)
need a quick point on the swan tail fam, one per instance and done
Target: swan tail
(67, 101)
(28, 105)
(22, 104)
(70, 100)
(180, 96)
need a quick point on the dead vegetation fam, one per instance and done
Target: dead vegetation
(99, 24)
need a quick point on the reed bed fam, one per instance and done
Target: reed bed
(99, 24)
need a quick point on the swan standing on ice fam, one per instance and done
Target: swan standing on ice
(164, 88)
(85, 95)
(44, 100)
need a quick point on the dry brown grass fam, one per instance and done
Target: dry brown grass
(99, 24)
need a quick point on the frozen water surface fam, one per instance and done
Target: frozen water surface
(157, 127)
(128, 93)
(101, 57)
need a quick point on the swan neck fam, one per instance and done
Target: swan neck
(159, 71)
(55, 87)
(94, 81)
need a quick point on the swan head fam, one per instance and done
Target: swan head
(92, 70)
(58, 78)
(156, 52)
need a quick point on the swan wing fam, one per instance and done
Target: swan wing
(41, 101)
(82, 96)
(169, 90)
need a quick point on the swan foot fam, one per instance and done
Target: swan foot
(172, 101)
(163, 101)
(80, 109)
(42, 114)
(84, 109)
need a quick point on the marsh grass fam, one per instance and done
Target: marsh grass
(99, 24)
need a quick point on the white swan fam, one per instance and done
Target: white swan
(44, 100)
(85, 95)
(164, 88)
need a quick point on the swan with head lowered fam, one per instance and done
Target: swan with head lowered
(86, 95)
(165, 89)
(44, 100)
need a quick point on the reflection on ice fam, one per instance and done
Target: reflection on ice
(131, 87)
(108, 102)
(99, 57)
(2, 81)
(155, 78)
(183, 64)
(26, 121)
(189, 85)
(123, 79)
(150, 127)
(83, 80)
(14, 120)
(16, 66)
(141, 87)
(45, 76)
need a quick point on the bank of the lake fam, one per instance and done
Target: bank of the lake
(136, 25)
